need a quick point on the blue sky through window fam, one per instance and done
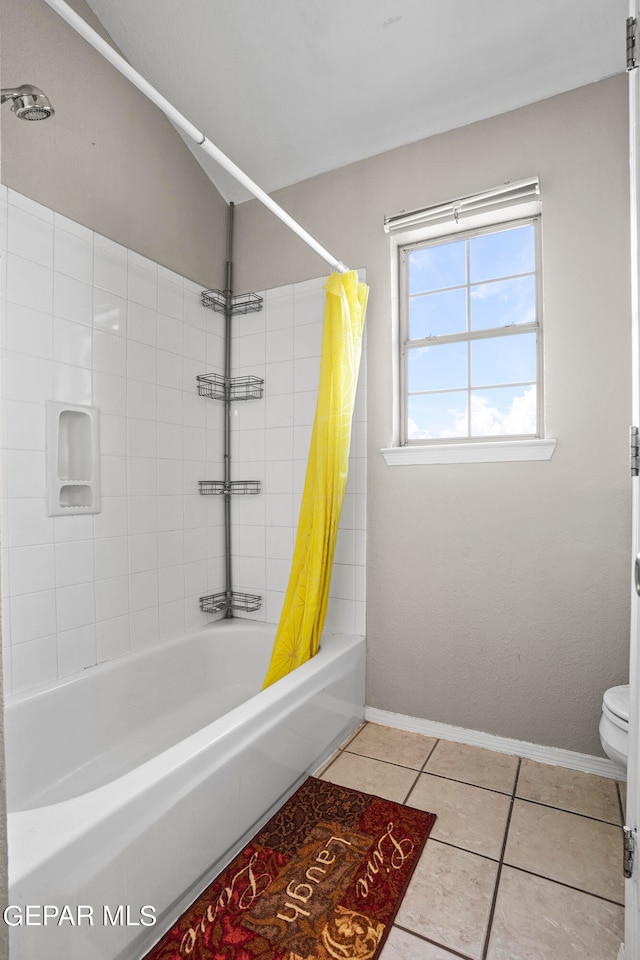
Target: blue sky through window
(476, 385)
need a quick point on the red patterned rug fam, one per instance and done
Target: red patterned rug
(323, 879)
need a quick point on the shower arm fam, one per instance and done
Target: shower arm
(107, 51)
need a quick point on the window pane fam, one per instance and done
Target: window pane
(503, 303)
(437, 416)
(437, 368)
(434, 268)
(504, 411)
(502, 254)
(433, 314)
(507, 359)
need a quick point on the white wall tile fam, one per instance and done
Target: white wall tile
(29, 524)
(143, 553)
(73, 528)
(142, 324)
(111, 557)
(169, 369)
(145, 627)
(109, 269)
(31, 206)
(72, 299)
(110, 393)
(109, 353)
(28, 378)
(76, 650)
(170, 548)
(32, 616)
(307, 340)
(28, 331)
(171, 583)
(143, 590)
(109, 313)
(112, 598)
(112, 638)
(141, 400)
(71, 384)
(74, 563)
(279, 345)
(25, 425)
(170, 297)
(279, 378)
(73, 255)
(75, 606)
(142, 286)
(32, 569)
(170, 334)
(34, 663)
(141, 362)
(142, 475)
(72, 342)
(29, 236)
(25, 474)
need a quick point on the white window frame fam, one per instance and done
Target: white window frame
(510, 204)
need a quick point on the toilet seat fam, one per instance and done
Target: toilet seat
(615, 705)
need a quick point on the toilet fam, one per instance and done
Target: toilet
(614, 724)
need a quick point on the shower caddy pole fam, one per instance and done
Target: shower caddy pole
(180, 121)
(229, 389)
(228, 313)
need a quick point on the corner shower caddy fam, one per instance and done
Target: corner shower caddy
(229, 389)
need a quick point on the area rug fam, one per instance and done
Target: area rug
(323, 879)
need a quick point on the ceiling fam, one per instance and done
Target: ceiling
(292, 88)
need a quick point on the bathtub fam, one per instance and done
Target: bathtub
(133, 784)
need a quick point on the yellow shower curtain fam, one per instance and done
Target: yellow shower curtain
(305, 602)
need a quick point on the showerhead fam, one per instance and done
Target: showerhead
(29, 102)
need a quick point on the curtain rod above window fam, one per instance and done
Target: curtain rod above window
(507, 193)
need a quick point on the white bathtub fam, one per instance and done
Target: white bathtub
(133, 784)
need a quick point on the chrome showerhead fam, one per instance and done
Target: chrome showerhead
(29, 103)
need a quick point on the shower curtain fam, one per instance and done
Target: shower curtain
(305, 604)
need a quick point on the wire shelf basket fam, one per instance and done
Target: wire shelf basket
(212, 385)
(217, 387)
(237, 487)
(243, 303)
(217, 602)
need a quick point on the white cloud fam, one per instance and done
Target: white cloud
(486, 420)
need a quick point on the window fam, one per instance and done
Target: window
(471, 336)
(469, 308)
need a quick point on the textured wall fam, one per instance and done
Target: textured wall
(498, 593)
(108, 159)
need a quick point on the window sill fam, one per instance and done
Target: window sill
(491, 451)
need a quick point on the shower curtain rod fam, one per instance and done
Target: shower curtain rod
(107, 51)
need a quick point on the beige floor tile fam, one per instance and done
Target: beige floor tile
(370, 776)
(469, 817)
(404, 946)
(483, 768)
(569, 790)
(566, 847)
(449, 898)
(395, 746)
(536, 919)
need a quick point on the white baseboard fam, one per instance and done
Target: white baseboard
(621, 952)
(520, 748)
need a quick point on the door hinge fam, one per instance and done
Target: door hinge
(634, 451)
(631, 44)
(629, 850)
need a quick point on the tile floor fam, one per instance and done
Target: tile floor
(524, 861)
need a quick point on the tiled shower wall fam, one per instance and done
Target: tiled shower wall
(86, 321)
